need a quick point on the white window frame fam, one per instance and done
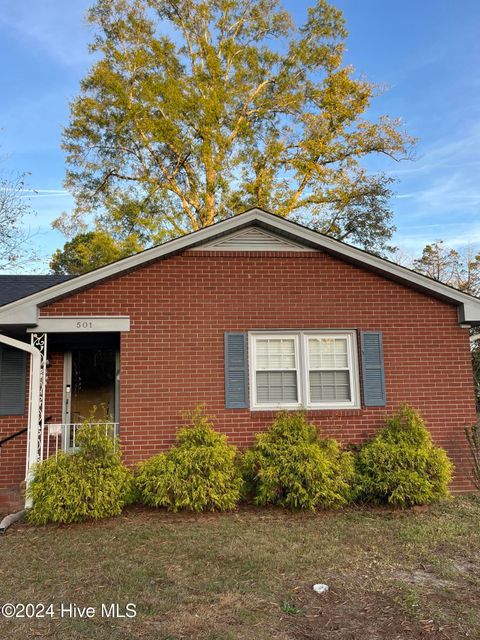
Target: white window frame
(352, 370)
(302, 369)
(252, 350)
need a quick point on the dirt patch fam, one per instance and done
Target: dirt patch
(359, 615)
(467, 566)
(423, 578)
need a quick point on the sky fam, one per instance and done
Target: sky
(425, 55)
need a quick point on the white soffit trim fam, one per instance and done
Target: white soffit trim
(252, 239)
(25, 310)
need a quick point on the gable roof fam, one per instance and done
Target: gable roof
(13, 287)
(251, 239)
(25, 310)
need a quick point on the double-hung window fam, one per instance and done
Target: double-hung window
(312, 369)
(276, 367)
(330, 370)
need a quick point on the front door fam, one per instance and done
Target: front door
(91, 388)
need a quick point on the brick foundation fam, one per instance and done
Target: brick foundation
(11, 499)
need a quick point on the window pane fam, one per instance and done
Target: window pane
(328, 353)
(276, 386)
(274, 354)
(330, 386)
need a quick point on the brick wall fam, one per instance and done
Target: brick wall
(180, 308)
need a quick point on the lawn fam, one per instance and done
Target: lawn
(249, 575)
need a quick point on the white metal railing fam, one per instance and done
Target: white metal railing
(63, 437)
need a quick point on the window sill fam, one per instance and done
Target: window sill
(354, 411)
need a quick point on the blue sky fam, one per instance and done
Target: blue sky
(426, 54)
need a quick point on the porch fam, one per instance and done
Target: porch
(71, 376)
(63, 436)
(81, 382)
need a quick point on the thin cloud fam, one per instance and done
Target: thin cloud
(59, 191)
(35, 190)
(56, 27)
(458, 153)
(45, 193)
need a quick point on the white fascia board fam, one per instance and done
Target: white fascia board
(20, 314)
(25, 310)
(471, 311)
(81, 324)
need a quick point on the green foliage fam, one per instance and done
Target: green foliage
(473, 438)
(198, 474)
(290, 466)
(401, 466)
(91, 483)
(239, 108)
(87, 251)
(291, 609)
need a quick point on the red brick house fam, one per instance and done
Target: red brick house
(251, 315)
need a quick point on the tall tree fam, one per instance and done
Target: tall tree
(458, 269)
(197, 109)
(14, 236)
(87, 251)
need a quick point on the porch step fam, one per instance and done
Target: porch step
(11, 499)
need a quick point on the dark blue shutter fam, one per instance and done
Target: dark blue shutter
(12, 381)
(236, 371)
(372, 369)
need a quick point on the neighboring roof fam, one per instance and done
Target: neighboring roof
(25, 310)
(14, 287)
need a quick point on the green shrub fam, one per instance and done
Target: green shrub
(401, 466)
(290, 466)
(91, 483)
(198, 474)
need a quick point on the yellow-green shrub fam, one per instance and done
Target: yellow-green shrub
(291, 466)
(91, 483)
(198, 474)
(401, 465)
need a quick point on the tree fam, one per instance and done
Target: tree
(14, 206)
(87, 251)
(458, 269)
(197, 109)
(470, 274)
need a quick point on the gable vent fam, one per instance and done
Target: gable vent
(252, 239)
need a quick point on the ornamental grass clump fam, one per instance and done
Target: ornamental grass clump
(199, 474)
(91, 483)
(401, 466)
(289, 465)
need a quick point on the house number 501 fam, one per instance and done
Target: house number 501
(84, 325)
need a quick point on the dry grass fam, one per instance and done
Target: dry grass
(249, 575)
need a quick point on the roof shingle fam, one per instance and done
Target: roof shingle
(15, 287)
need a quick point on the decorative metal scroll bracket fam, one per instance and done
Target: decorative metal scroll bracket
(39, 340)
